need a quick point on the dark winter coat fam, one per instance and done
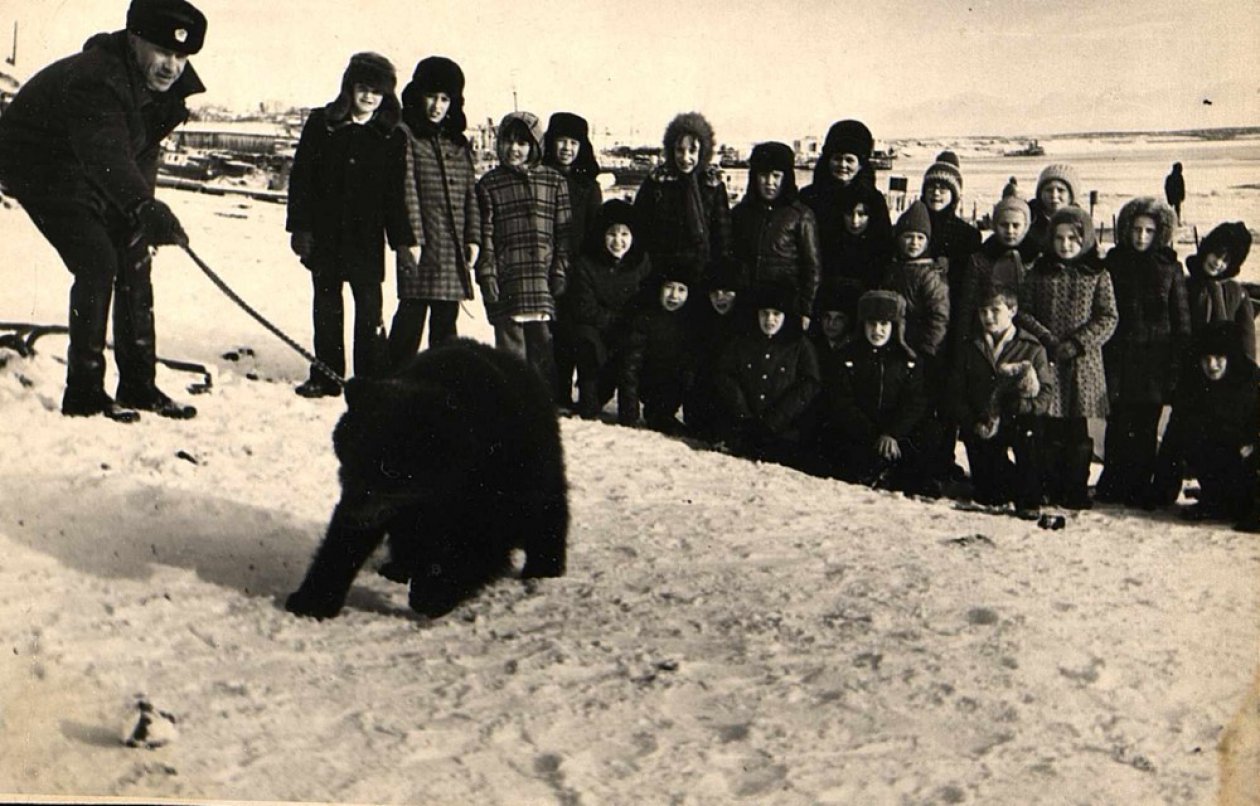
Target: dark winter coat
(977, 390)
(992, 265)
(877, 391)
(1073, 304)
(770, 380)
(778, 246)
(1143, 357)
(585, 199)
(1175, 186)
(601, 297)
(1223, 412)
(956, 241)
(525, 221)
(86, 128)
(925, 287)
(660, 213)
(862, 257)
(1234, 305)
(346, 190)
(660, 352)
(439, 188)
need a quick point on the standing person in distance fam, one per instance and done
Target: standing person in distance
(344, 194)
(1175, 190)
(439, 188)
(79, 149)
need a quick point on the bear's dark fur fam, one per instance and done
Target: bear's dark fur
(457, 458)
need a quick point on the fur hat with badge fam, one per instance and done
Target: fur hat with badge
(886, 306)
(432, 75)
(171, 24)
(945, 171)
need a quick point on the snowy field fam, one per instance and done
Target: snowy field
(727, 632)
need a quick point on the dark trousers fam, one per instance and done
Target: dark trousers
(408, 325)
(856, 461)
(997, 480)
(329, 320)
(1066, 453)
(1129, 449)
(566, 346)
(95, 247)
(597, 379)
(530, 341)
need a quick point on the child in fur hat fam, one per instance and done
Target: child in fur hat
(440, 189)
(567, 148)
(1214, 292)
(766, 381)
(1057, 188)
(1214, 430)
(524, 260)
(1142, 359)
(344, 193)
(874, 422)
(1002, 260)
(843, 177)
(999, 387)
(607, 278)
(682, 205)
(1068, 303)
(775, 236)
(660, 355)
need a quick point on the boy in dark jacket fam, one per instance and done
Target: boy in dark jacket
(1214, 292)
(766, 381)
(1214, 430)
(345, 191)
(660, 356)
(606, 283)
(718, 321)
(874, 425)
(1000, 386)
(775, 236)
(1143, 357)
(1002, 260)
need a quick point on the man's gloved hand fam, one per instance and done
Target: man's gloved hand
(489, 289)
(302, 244)
(158, 226)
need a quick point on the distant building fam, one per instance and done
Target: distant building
(808, 150)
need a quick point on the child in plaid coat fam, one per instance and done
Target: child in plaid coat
(524, 260)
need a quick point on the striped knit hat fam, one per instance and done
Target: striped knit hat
(946, 171)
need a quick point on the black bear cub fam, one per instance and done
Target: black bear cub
(457, 458)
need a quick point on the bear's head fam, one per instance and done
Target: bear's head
(403, 440)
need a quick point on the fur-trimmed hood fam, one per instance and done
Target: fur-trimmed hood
(1232, 238)
(1159, 212)
(696, 125)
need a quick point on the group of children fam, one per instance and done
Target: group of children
(801, 326)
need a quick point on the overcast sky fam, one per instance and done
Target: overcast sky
(758, 70)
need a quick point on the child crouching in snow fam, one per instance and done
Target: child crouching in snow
(1000, 385)
(1214, 430)
(875, 412)
(660, 357)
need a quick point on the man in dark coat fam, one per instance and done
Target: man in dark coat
(1175, 189)
(79, 149)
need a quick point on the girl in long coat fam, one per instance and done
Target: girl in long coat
(344, 192)
(682, 207)
(1068, 303)
(1143, 358)
(524, 261)
(438, 185)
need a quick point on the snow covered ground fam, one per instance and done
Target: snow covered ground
(728, 631)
